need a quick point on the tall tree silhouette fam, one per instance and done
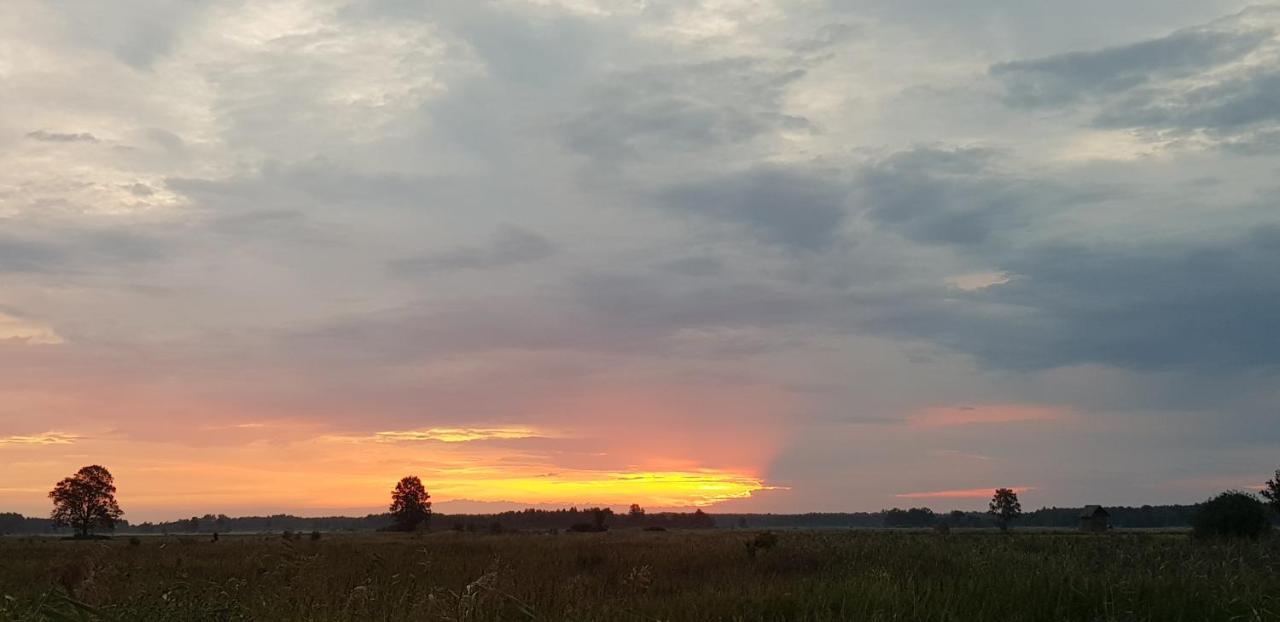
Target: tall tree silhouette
(1004, 507)
(410, 504)
(86, 500)
(1271, 490)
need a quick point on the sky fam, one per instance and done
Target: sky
(746, 255)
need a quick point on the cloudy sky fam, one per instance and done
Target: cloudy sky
(759, 255)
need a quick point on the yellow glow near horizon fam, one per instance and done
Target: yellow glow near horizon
(48, 438)
(456, 435)
(659, 488)
(355, 474)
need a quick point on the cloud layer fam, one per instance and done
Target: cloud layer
(822, 252)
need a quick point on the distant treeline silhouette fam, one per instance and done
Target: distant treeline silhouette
(1148, 516)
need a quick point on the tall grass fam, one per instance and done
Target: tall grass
(805, 575)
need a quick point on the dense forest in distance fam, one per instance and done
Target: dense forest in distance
(1147, 516)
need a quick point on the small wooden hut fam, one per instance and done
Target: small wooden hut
(1094, 519)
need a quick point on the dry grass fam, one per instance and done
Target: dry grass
(805, 575)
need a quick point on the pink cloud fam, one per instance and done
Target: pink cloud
(947, 416)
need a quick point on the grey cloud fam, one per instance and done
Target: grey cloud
(1202, 307)
(62, 137)
(793, 208)
(599, 313)
(953, 196)
(22, 255)
(683, 107)
(1241, 110)
(1064, 79)
(74, 248)
(137, 32)
(1211, 83)
(312, 185)
(263, 221)
(510, 245)
(694, 266)
(655, 307)
(826, 37)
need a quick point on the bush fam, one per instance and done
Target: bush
(315, 535)
(135, 541)
(1231, 514)
(762, 541)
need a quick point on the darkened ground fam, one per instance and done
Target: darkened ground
(636, 575)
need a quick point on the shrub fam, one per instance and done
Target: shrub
(134, 541)
(315, 535)
(762, 541)
(1231, 514)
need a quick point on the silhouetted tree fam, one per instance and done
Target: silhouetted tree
(1004, 507)
(600, 518)
(409, 504)
(86, 500)
(1271, 491)
(1231, 514)
(636, 511)
(702, 520)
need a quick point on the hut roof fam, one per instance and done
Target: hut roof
(1091, 511)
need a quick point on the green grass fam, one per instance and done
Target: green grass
(807, 575)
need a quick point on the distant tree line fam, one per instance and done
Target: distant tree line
(85, 502)
(12, 524)
(1147, 516)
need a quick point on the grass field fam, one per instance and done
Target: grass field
(709, 575)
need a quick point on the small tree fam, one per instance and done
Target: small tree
(1271, 491)
(409, 504)
(636, 510)
(86, 500)
(1232, 514)
(702, 520)
(1004, 507)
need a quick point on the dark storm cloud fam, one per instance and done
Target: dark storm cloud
(794, 208)
(62, 137)
(510, 245)
(1202, 307)
(1066, 78)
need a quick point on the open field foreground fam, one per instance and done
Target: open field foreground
(713, 575)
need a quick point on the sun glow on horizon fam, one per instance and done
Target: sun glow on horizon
(314, 472)
(458, 435)
(964, 493)
(48, 438)
(698, 488)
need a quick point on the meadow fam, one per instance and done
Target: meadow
(640, 575)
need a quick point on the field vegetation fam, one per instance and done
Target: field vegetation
(870, 575)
